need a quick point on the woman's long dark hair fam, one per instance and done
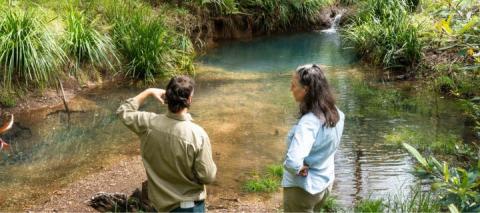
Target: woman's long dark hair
(318, 98)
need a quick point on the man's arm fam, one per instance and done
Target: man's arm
(135, 120)
(205, 168)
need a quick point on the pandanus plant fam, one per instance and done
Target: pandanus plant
(7, 125)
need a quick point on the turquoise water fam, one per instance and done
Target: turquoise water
(281, 53)
(243, 101)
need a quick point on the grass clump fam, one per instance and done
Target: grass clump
(275, 171)
(416, 201)
(85, 44)
(330, 205)
(369, 205)
(267, 182)
(263, 184)
(149, 47)
(29, 53)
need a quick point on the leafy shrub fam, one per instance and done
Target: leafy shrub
(458, 188)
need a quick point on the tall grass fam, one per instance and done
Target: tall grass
(85, 43)
(149, 47)
(29, 53)
(383, 34)
(416, 201)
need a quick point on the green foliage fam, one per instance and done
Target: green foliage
(7, 99)
(275, 171)
(453, 38)
(437, 142)
(473, 111)
(269, 15)
(330, 205)
(84, 43)
(368, 205)
(383, 34)
(268, 182)
(264, 184)
(417, 200)
(29, 53)
(150, 48)
(458, 188)
(222, 6)
(272, 15)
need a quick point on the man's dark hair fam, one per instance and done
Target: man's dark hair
(178, 91)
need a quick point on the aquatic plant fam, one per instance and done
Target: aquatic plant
(85, 43)
(29, 52)
(458, 188)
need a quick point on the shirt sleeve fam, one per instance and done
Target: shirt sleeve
(301, 145)
(135, 120)
(205, 168)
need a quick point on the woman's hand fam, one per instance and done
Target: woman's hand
(303, 171)
(158, 94)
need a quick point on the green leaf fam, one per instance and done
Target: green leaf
(416, 154)
(446, 173)
(473, 21)
(453, 208)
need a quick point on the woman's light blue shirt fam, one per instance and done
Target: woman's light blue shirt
(314, 144)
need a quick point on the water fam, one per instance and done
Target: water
(335, 22)
(243, 101)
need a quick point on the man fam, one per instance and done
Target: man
(176, 152)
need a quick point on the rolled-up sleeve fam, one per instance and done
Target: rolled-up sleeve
(135, 120)
(301, 145)
(205, 168)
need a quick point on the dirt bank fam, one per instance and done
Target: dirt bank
(127, 175)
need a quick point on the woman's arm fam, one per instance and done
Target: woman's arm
(300, 147)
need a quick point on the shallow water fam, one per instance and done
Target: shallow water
(243, 101)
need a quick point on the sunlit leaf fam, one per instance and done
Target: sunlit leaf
(416, 154)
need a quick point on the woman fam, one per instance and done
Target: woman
(312, 142)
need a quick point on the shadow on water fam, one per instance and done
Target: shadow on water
(243, 102)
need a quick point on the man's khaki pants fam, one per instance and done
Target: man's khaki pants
(296, 199)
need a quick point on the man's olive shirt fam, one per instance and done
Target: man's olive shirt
(176, 153)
